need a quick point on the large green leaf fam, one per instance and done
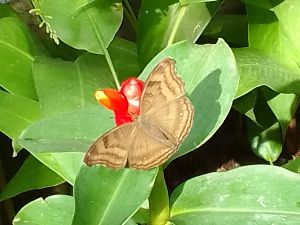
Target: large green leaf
(232, 28)
(110, 196)
(16, 56)
(16, 113)
(32, 175)
(67, 132)
(158, 22)
(54, 210)
(247, 195)
(210, 83)
(65, 164)
(293, 165)
(68, 127)
(256, 68)
(89, 25)
(276, 31)
(266, 142)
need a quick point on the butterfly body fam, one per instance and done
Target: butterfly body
(165, 119)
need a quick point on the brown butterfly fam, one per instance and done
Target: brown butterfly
(165, 120)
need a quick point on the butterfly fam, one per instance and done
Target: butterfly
(166, 117)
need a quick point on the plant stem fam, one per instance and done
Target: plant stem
(131, 16)
(130, 19)
(111, 67)
(159, 200)
(181, 12)
(105, 51)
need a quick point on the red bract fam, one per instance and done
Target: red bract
(132, 88)
(124, 103)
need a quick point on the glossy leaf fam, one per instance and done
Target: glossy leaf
(110, 196)
(89, 25)
(16, 56)
(157, 21)
(266, 4)
(252, 194)
(280, 34)
(266, 142)
(65, 164)
(16, 113)
(68, 132)
(232, 28)
(32, 175)
(293, 165)
(184, 2)
(283, 107)
(54, 210)
(256, 68)
(210, 88)
(245, 105)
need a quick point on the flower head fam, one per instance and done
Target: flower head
(125, 103)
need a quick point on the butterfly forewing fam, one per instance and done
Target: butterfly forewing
(164, 103)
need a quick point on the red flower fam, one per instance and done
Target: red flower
(125, 103)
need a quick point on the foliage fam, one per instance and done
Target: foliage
(47, 106)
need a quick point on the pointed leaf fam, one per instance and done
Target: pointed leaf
(32, 175)
(110, 196)
(89, 25)
(16, 113)
(54, 210)
(247, 195)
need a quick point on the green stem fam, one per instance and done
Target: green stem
(159, 201)
(131, 20)
(111, 67)
(181, 12)
(131, 15)
(105, 51)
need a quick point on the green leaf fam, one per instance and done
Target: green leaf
(276, 32)
(157, 24)
(16, 113)
(266, 4)
(6, 11)
(110, 196)
(16, 57)
(266, 142)
(256, 68)
(283, 107)
(211, 79)
(232, 28)
(124, 57)
(88, 25)
(67, 132)
(245, 105)
(65, 164)
(54, 210)
(247, 195)
(72, 84)
(184, 2)
(293, 165)
(32, 175)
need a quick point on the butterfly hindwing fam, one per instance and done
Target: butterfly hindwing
(112, 148)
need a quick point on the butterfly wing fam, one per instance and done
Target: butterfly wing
(150, 148)
(112, 148)
(164, 102)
